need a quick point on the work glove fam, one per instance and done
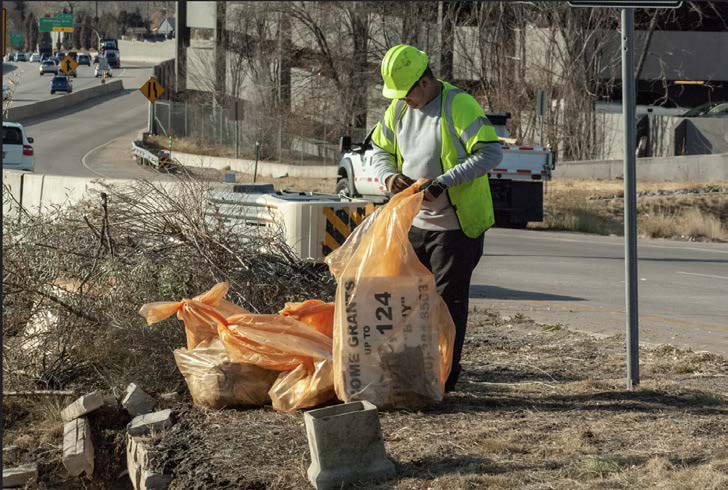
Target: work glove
(432, 189)
(398, 182)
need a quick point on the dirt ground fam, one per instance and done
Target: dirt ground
(538, 407)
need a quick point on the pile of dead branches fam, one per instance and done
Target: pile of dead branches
(75, 277)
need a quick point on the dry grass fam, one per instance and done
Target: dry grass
(584, 206)
(191, 145)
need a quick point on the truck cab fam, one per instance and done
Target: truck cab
(516, 184)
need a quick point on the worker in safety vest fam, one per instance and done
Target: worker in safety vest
(436, 131)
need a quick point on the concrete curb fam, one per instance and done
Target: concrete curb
(50, 105)
(265, 169)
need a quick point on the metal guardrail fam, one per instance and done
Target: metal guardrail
(146, 157)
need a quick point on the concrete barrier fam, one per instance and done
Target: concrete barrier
(146, 52)
(61, 102)
(38, 193)
(265, 169)
(12, 184)
(691, 168)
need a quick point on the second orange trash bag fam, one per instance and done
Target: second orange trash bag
(393, 334)
(199, 314)
(284, 344)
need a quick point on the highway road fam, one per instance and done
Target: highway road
(31, 87)
(65, 140)
(577, 280)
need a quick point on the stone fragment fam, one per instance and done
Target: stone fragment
(151, 480)
(20, 476)
(137, 401)
(82, 406)
(78, 450)
(144, 424)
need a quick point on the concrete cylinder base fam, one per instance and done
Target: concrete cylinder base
(346, 445)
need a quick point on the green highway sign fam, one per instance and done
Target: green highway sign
(16, 40)
(61, 22)
(65, 19)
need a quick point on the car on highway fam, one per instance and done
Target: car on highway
(73, 55)
(35, 58)
(102, 66)
(45, 56)
(48, 66)
(17, 149)
(6, 91)
(21, 57)
(61, 83)
(84, 59)
(113, 58)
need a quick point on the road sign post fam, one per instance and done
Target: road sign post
(630, 199)
(630, 172)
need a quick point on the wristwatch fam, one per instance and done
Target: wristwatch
(436, 188)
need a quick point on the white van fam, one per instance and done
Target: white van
(17, 152)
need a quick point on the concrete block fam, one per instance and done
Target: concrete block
(137, 401)
(20, 476)
(346, 445)
(78, 451)
(82, 406)
(144, 424)
(134, 469)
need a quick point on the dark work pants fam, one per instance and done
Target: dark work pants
(451, 257)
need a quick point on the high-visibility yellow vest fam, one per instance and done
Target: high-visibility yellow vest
(463, 123)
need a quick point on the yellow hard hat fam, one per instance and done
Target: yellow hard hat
(402, 66)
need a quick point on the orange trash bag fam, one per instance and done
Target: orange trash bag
(198, 314)
(393, 334)
(282, 343)
(216, 382)
(313, 312)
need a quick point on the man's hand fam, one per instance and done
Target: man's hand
(432, 189)
(398, 182)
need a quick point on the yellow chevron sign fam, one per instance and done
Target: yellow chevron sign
(340, 223)
(152, 89)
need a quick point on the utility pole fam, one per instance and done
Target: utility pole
(182, 42)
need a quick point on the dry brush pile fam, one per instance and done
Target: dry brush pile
(75, 277)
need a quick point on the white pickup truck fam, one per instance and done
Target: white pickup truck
(516, 184)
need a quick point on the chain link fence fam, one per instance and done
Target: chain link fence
(215, 128)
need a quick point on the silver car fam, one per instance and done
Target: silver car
(101, 67)
(48, 66)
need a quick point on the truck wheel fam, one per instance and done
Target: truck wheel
(342, 187)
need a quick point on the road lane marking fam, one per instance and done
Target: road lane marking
(620, 244)
(83, 158)
(701, 275)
